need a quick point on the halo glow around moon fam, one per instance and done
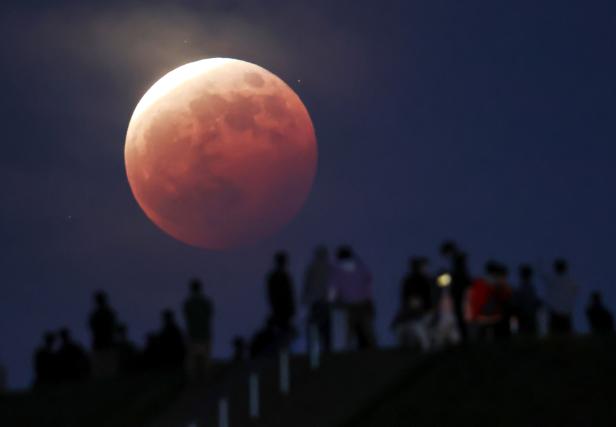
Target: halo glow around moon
(220, 153)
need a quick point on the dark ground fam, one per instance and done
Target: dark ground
(551, 383)
(548, 383)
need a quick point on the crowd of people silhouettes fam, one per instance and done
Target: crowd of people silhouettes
(114, 354)
(435, 310)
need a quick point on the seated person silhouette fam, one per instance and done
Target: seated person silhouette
(46, 361)
(73, 363)
(171, 342)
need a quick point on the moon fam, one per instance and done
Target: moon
(220, 153)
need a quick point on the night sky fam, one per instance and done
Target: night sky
(488, 122)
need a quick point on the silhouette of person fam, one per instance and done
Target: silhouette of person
(502, 295)
(45, 361)
(73, 363)
(102, 323)
(171, 342)
(104, 326)
(267, 339)
(198, 312)
(485, 308)
(417, 285)
(561, 293)
(280, 294)
(460, 282)
(351, 284)
(416, 302)
(126, 350)
(600, 319)
(315, 295)
(526, 303)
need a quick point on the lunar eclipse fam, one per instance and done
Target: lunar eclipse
(220, 153)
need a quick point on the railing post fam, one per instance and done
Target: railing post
(223, 413)
(314, 348)
(253, 396)
(284, 371)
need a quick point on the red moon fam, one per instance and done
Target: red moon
(220, 153)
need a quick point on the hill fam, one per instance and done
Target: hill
(548, 383)
(532, 383)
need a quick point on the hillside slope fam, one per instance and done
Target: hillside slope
(538, 383)
(546, 383)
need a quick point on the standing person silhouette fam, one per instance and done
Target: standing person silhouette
(526, 303)
(460, 282)
(417, 298)
(315, 294)
(600, 319)
(104, 326)
(351, 284)
(280, 294)
(561, 294)
(502, 294)
(198, 312)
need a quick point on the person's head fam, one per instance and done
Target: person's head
(449, 248)
(419, 265)
(168, 317)
(526, 273)
(65, 335)
(501, 273)
(100, 297)
(49, 338)
(561, 267)
(281, 259)
(595, 298)
(195, 286)
(345, 253)
(491, 270)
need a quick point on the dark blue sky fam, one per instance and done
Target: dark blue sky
(488, 122)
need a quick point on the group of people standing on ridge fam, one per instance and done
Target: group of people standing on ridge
(454, 306)
(345, 284)
(435, 311)
(114, 354)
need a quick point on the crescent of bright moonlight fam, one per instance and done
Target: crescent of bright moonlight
(220, 153)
